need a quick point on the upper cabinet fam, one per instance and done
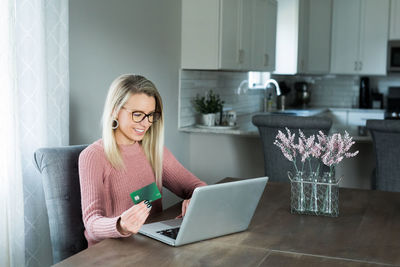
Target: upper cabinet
(233, 51)
(228, 34)
(303, 36)
(394, 27)
(263, 35)
(359, 36)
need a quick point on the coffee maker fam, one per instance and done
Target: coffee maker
(365, 94)
(303, 94)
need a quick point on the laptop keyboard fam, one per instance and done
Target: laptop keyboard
(171, 233)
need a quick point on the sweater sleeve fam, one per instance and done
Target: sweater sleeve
(91, 173)
(177, 179)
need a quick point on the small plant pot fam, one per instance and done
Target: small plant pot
(208, 119)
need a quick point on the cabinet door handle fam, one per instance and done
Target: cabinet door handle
(361, 65)
(266, 60)
(355, 65)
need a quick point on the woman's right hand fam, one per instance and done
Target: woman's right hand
(132, 219)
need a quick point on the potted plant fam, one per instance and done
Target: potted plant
(208, 106)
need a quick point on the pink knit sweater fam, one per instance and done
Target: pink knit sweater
(105, 190)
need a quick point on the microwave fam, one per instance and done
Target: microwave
(393, 59)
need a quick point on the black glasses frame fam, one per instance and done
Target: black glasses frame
(156, 115)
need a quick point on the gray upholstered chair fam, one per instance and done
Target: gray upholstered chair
(59, 173)
(276, 165)
(386, 139)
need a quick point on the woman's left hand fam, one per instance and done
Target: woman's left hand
(185, 204)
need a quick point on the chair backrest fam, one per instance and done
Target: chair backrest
(59, 173)
(386, 139)
(276, 165)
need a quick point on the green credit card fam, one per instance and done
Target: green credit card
(149, 192)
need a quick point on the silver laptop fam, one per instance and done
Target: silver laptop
(214, 210)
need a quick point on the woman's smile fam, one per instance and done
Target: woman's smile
(140, 131)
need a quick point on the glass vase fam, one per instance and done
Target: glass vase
(314, 193)
(313, 203)
(298, 199)
(331, 194)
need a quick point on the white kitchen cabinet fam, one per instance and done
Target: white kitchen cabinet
(359, 36)
(263, 33)
(200, 34)
(394, 25)
(345, 118)
(233, 48)
(316, 38)
(303, 36)
(345, 37)
(228, 34)
(359, 118)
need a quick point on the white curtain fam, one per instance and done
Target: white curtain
(34, 106)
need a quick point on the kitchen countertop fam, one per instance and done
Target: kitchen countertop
(357, 110)
(246, 128)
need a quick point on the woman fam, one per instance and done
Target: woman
(130, 155)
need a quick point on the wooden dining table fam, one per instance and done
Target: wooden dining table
(366, 233)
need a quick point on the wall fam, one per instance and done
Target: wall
(109, 38)
(213, 157)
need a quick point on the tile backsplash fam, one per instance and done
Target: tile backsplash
(224, 83)
(340, 91)
(326, 91)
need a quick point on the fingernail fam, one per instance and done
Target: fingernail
(146, 202)
(149, 206)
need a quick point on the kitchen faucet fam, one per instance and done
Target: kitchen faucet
(278, 91)
(242, 88)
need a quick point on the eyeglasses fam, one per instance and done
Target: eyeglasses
(139, 116)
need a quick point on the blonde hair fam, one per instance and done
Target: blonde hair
(120, 91)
